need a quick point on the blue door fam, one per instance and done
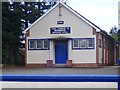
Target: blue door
(61, 51)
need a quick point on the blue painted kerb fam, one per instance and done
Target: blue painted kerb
(61, 78)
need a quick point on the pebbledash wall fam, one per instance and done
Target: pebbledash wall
(64, 37)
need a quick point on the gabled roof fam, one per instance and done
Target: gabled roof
(72, 10)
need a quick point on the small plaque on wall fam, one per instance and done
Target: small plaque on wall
(60, 22)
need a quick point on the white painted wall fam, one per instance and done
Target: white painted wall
(51, 51)
(84, 56)
(37, 56)
(70, 52)
(79, 29)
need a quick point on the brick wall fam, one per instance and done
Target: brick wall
(97, 45)
(86, 65)
(36, 65)
(107, 50)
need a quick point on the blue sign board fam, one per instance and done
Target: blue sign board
(60, 30)
(60, 22)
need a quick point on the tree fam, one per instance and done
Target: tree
(11, 27)
(119, 35)
(114, 33)
(5, 23)
(31, 11)
(16, 18)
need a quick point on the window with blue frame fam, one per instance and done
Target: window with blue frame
(76, 43)
(38, 44)
(45, 44)
(32, 44)
(83, 43)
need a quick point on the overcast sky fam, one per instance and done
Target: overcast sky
(103, 13)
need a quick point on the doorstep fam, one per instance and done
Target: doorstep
(59, 65)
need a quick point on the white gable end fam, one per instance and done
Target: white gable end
(79, 28)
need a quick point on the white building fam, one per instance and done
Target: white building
(64, 37)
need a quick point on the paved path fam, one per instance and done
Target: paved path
(62, 71)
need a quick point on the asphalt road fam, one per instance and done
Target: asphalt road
(62, 71)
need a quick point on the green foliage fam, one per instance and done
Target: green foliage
(31, 11)
(15, 18)
(115, 33)
(11, 30)
(118, 34)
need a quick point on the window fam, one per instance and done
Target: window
(38, 44)
(90, 43)
(76, 43)
(45, 44)
(83, 43)
(100, 43)
(32, 44)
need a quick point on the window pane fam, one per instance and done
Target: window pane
(46, 44)
(32, 44)
(90, 43)
(83, 43)
(76, 43)
(39, 44)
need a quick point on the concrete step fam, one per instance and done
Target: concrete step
(59, 65)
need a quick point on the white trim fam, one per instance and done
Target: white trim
(73, 11)
(107, 85)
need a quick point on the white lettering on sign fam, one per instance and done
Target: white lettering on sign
(60, 30)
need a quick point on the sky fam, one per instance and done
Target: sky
(103, 13)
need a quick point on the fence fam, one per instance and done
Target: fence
(62, 78)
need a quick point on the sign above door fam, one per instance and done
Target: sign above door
(60, 30)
